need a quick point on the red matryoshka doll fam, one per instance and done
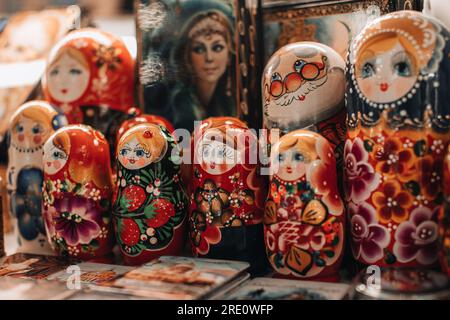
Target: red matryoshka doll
(136, 117)
(30, 127)
(227, 203)
(444, 218)
(303, 87)
(149, 203)
(398, 130)
(77, 192)
(90, 76)
(304, 217)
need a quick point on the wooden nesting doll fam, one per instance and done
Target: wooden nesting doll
(227, 201)
(90, 76)
(77, 193)
(150, 203)
(303, 87)
(444, 218)
(398, 130)
(30, 127)
(304, 216)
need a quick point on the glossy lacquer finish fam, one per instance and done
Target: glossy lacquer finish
(227, 197)
(444, 218)
(304, 216)
(30, 127)
(90, 76)
(398, 122)
(77, 193)
(150, 204)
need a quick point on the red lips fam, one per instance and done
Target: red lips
(132, 161)
(64, 91)
(289, 170)
(384, 86)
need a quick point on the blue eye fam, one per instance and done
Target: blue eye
(123, 152)
(19, 128)
(276, 76)
(58, 155)
(218, 48)
(368, 70)
(139, 153)
(75, 72)
(298, 157)
(54, 72)
(298, 65)
(36, 129)
(402, 69)
(199, 49)
(281, 157)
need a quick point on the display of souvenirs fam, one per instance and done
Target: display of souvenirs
(77, 193)
(227, 202)
(304, 217)
(187, 59)
(90, 76)
(149, 204)
(398, 129)
(400, 284)
(176, 278)
(136, 117)
(282, 289)
(30, 127)
(444, 218)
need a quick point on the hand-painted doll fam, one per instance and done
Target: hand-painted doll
(30, 127)
(90, 76)
(444, 218)
(304, 215)
(149, 204)
(77, 193)
(227, 203)
(303, 87)
(398, 130)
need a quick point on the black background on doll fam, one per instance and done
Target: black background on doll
(159, 43)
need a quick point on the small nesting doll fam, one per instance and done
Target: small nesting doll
(227, 203)
(398, 130)
(303, 87)
(90, 76)
(150, 203)
(304, 216)
(444, 218)
(30, 127)
(77, 193)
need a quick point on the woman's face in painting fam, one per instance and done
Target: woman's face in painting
(67, 79)
(216, 157)
(132, 155)
(292, 165)
(54, 158)
(209, 57)
(385, 76)
(28, 133)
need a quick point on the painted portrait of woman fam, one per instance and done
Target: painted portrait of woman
(204, 57)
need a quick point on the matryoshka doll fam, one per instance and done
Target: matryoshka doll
(398, 122)
(30, 127)
(227, 200)
(90, 76)
(303, 87)
(149, 203)
(304, 217)
(444, 218)
(77, 193)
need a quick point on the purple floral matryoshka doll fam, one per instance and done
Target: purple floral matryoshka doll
(149, 204)
(304, 221)
(398, 130)
(30, 127)
(77, 193)
(303, 87)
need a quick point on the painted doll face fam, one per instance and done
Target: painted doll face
(28, 133)
(133, 155)
(216, 157)
(68, 78)
(386, 71)
(209, 57)
(54, 158)
(292, 165)
(303, 83)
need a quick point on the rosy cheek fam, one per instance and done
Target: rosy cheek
(140, 162)
(21, 137)
(56, 164)
(37, 139)
(124, 161)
